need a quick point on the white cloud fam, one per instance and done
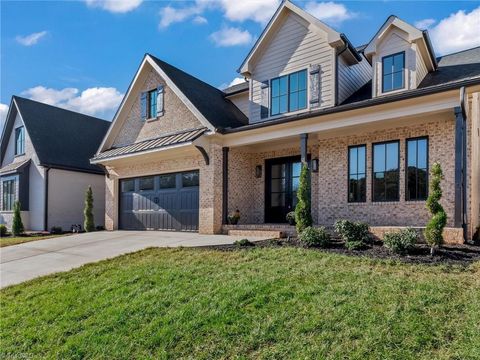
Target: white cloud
(200, 20)
(170, 15)
(231, 36)
(425, 23)
(95, 101)
(3, 115)
(31, 39)
(330, 12)
(457, 32)
(115, 6)
(257, 10)
(236, 81)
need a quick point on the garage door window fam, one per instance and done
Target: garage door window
(167, 181)
(128, 185)
(190, 179)
(146, 184)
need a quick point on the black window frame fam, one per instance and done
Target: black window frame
(373, 170)
(13, 188)
(348, 178)
(20, 130)
(383, 72)
(406, 167)
(149, 103)
(288, 92)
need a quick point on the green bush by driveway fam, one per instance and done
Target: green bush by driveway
(276, 303)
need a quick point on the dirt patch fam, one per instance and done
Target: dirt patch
(420, 254)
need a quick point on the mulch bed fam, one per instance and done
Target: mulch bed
(446, 255)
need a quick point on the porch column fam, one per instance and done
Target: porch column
(225, 186)
(303, 147)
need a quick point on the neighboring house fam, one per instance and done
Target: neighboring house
(370, 121)
(45, 165)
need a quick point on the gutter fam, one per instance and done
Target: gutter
(464, 162)
(356, 105)
(45, 209)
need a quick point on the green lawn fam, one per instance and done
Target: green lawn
(12, 240)
(272, 303)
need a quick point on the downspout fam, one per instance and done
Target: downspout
(464, 163)
(339, 52)
(45, 209)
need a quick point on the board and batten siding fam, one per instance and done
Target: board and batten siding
(351, 78)
(421, 68)
(294, 47)
(241, 101)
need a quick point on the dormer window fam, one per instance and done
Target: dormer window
(393, 72)
(289, 93)
(20, 140)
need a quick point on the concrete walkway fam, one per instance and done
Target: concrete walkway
(27, 261)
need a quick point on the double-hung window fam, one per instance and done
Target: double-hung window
(8, 194)
(20, 140)
(393, 72)
(289, 93)
(152, 104)
(417, 169)
(386, 172)
(357, 174)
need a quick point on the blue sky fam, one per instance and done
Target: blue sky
(82, 55)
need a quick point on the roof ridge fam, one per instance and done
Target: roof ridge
(458, 52)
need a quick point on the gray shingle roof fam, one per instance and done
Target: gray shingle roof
(210, 101)
(157, 143)
(62, 138)
(236, 88)
(13, 167)
(461, 66)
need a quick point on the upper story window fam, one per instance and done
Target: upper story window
(417, 169)
(393, 72)
(386, 172)
(152, 103)
(20, 140)
(289, 93)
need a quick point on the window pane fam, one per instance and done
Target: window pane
(422, 184)
(128, 185)
(190, 179)
(294, 82)
(278, 199)
(294, 102)
(275, 87)
(278, 185)
(275, 106)
(398, 62)
(387, 82)
(398, 80)
(296, 169)
(278, 171)
(378, 187)
(391, 178)
(422, 153)
(302, 99)
(411, 153)
(295, 183)
(353, 160)
(392, 156)
(361, 159)
(379, 157)
(302, 80)
(362, 188)
(146, 184)
(283, 85)
(283, 104)
(167, 181)
(411, 183)
(387, 65)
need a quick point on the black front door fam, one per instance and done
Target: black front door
(282, 179)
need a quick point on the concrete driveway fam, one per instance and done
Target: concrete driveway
(27, 261)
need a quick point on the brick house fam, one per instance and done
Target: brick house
(369, 121)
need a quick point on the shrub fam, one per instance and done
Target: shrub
(291, 217)
(355, 234)
(17, 224)
(56, 230)
(314, 237)
(88, 223)
(400, 242)
(3, 230)
(303, 214)
(434, 228)
(234, 217)
(244, 243)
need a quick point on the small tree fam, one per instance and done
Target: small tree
(17, 224)
(434, 228)
(88, 223)
(303, 214)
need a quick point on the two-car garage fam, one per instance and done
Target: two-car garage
(160, 202)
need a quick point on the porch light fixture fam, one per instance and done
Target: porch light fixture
(258, 171)
(315, 165)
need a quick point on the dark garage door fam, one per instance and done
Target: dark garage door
(161, 202)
